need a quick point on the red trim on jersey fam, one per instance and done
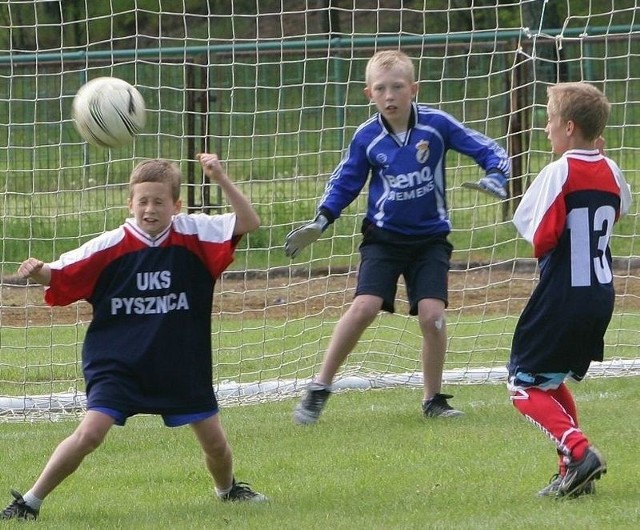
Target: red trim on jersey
(75, 274)
(581, 175)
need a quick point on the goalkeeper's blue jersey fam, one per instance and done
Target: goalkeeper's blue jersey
(406, 175)
(148, 347)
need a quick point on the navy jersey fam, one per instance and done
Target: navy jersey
(407, 175)
(568, 215)
(148, 347)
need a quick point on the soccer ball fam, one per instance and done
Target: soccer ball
(108, 112)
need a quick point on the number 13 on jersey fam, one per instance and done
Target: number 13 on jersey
(584, 259)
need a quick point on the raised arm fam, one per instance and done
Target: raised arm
(247, 218)
(35, 269)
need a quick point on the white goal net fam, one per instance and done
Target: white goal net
(275, 88)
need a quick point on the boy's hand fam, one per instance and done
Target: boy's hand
(211, 165)
(303, 236)
(492, 183)
(30, 267)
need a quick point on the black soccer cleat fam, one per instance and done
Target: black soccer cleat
(551, 489)
(241, 491)
(589, 468)
(438, 407)
(308, 410)
(19, 509)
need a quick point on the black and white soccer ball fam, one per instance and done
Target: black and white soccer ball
(108, 112)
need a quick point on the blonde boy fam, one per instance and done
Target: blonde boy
(568, 214)
(399, 152)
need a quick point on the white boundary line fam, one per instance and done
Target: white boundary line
(230, 392)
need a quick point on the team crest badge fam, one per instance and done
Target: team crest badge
(422, 151)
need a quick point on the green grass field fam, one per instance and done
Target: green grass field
(372, 462)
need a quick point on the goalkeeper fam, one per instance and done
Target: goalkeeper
(401, 152)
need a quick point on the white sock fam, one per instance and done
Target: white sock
(222, 493)
(32, 501)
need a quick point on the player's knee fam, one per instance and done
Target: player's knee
(432, 322)
(431, 315)
(216, 449)
(365, 309)
(528, 401)
(87, 441)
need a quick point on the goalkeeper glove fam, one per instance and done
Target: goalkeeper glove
(494, 183)
(303, 236)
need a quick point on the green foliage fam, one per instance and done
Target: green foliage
(46, 25)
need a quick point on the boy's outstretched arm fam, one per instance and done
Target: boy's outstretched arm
(303, 236)
(35, 269)
(494, 183)
(247, 218)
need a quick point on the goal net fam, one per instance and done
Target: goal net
(275, 88)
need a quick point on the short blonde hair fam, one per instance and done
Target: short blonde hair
(387, 59)
(157, 170)
(583, 104)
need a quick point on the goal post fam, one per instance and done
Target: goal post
(278, 94)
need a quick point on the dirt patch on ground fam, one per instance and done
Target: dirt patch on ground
(293, 293)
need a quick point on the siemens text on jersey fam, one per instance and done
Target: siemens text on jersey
(410, 182)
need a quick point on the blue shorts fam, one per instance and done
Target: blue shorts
(423, 261)
(543, 381)
(170, 420)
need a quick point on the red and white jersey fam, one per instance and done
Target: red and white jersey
(74, 274)
(148, 347)
(542, 214)
(568, 214)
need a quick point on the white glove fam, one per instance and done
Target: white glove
(493, 184)
(303, 236)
